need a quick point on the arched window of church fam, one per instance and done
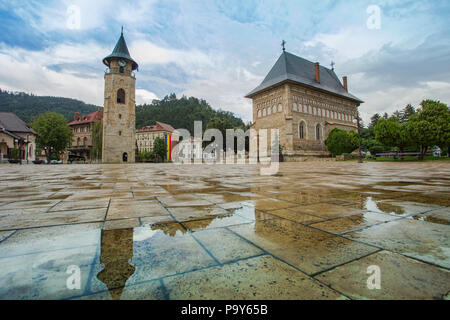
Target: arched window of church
(294, 107)
(78, 141)
(264, 112)
(259, 113)
(85, 141)
(274, 109)
(318, 132)
(301, 130)
(269, 111)
(280, 107)
(121, 96)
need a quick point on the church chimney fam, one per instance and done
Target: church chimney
(344, 79)
(76, 117)
(317, 72)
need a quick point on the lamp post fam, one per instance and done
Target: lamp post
(359, 137)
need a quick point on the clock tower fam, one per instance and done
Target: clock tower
(119, 116)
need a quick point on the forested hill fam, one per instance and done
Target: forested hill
(28, 106)
(181, 113)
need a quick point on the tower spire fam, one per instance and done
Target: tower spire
(283, 43)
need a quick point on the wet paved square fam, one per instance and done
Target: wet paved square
(165, 231)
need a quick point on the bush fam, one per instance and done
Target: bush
(374, 149)
(14, 154)
(340, 141)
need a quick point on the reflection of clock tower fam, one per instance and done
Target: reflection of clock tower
(119, 108)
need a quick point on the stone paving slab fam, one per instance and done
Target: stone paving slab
(441, 216)
(43, 219)
(253, 279)
(400, 278)
(308, 249)
(426, 241)
(350, 223)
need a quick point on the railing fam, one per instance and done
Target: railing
(396, 155)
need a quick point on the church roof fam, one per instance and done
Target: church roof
(12, 123)
(290, 67)
(120, 51)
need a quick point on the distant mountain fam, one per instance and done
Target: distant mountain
(28, 106)
(182, 112)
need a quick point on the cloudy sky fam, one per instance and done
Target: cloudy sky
(220, 50)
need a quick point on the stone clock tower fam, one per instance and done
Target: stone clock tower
(119, 117)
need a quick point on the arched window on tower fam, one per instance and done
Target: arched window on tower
(318, 128)
(121, 96)
(301, 130)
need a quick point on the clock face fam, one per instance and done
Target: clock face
(122, 63)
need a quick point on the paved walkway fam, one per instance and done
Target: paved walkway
(165, 231)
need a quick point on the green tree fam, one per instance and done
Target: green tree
(222, 125)
(159, 148)
(97, 139)
(54, 133)
(430, 126)
(391, 132)
(340, 141)
(406, 113)
(181, 113)
(14, 153)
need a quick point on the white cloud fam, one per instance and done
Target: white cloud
(31, 71)
(144, 96)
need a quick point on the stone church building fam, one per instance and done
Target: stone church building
(305, 101)
(119, 117)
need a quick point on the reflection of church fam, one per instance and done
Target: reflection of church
(305, 101)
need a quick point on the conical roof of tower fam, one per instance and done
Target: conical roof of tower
(121, 52)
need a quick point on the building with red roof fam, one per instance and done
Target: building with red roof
(146, 136)
(81, 145)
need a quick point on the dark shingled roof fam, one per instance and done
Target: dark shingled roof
(289, 67)
(120, 51)
(10, 122)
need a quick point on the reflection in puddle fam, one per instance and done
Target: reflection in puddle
(385, 207)
(116, 252)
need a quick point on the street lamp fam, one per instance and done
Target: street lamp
(356, 121)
